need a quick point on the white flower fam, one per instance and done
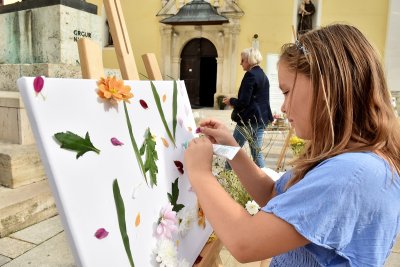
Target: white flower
(166, 253)
(252, 207)
(186, 217)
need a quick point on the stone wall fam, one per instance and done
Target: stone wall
(46, 34)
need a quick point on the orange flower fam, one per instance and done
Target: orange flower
(112, 89)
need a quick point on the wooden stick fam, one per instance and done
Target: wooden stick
(152, 68)
(210, 255)
(91, 59)
(279, 164)
(122, 44)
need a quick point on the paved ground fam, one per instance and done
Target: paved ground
(45, 244)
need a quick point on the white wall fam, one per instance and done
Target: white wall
(392, 49)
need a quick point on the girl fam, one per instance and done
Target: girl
(340, 204)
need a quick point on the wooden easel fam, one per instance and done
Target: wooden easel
(91, 60)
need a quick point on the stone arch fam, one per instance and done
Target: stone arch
(223, 37)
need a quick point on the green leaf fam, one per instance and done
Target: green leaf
(161, 112)
(173, 198)
(134, 145)
(149, 146)
(119, 204)
(174, 108)
(74, 142)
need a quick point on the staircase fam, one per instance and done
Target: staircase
(25, 197)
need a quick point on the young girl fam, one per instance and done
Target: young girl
(340, 204)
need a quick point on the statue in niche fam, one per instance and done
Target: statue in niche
(306, 12)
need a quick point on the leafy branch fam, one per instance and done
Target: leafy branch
(149, 146)
(173, 198)
(74, 142)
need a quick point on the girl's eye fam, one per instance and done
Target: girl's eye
(285, 93)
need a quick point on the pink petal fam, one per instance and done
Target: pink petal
(101, 233)
(38, 84)
(143, 104)
(170, 215)
(160, 229)
(116, 142)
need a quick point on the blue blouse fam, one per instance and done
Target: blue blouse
(348, 207)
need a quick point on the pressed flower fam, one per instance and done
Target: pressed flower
(143, 104)
(198, 130)
(179, 166)
(165, 142)
(38, 84)
(167, 223)
(113, 89)
(137, 220)
(190, 129)
(164, 97)
(101, 233)
(187, 216)
(116, 142)
(185, 145)
(252, 207)
(201, 217)
(166, 253)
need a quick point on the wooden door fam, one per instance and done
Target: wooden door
(199, 71)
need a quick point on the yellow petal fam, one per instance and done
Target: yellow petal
(137, 221)
(164, 141)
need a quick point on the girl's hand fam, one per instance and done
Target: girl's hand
(217, 132)
(198, 157)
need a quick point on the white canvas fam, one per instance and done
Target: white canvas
(83, 187)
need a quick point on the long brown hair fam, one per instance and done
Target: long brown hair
(352, 109)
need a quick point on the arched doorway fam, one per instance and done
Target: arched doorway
(199, 71)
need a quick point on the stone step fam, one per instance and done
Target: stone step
(19, 165)
(25, 206)
(15, 127)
